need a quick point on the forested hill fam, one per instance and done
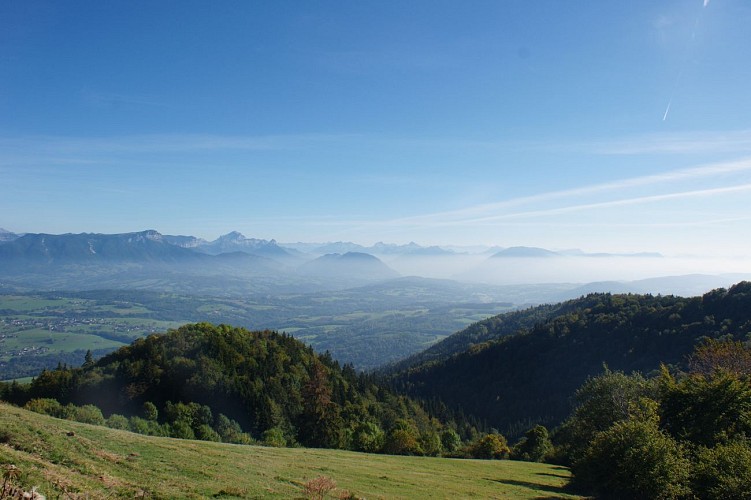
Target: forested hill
(268, 383)
(494, 328)
(530, 376)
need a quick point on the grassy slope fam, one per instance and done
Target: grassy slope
(106, 463)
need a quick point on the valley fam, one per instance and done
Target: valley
(375, 250)
(367, 326)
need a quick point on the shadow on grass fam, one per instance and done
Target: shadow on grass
(533, 486)
(560, 476)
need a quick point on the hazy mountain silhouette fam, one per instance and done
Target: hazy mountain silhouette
(350, 265)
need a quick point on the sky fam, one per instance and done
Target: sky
(607, 126)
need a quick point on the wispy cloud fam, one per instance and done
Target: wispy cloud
(738, 141)
(498, 210)
(165, 143)
(677, 143)
(615, 203)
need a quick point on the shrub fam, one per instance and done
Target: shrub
(206, 433)
(6, 436)
(535, 446)
(139, 425)
(87, 414)
(45, 406)
(230, 431)
(489, 447)
(148, 427)
(318, 487)
(450, 440)
(633, 459)
(600, 402)
(116, 421)
(724, 471)
(274, 437)
(182, 430)
(368, 437)
(150, 411)
(707, 410)
(402, 442)
(430, 442)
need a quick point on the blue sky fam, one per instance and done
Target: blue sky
(607, 126)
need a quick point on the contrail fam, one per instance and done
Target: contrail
(689, 51)
(667, 110)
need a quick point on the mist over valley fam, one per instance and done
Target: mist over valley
(369, 306)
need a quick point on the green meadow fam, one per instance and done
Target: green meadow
(65, 459)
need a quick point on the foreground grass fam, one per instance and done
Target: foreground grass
(96, 462)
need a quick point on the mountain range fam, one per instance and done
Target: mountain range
(79, 261)
(237, 242)
(234, 264)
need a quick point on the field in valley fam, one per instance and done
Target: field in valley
(368, 327)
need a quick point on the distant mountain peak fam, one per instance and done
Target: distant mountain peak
(7, 236)
(349, 265)
(238, 242)
(232, 236)
(152, 234)
(525, 252)
(358, 256)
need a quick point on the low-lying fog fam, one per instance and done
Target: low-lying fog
(559, 269)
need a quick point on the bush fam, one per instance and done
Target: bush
(724, 471)
(450, 440)
(707, 410)
(206, 433)
(600, 402)
(45, 406)
(402, 442)
(87, 414)
(633, 459)
(116, 421)
(430, 442)
(274, 437)
(148, 427)
(182, 430)
(490, 447)
(319, 487)
(368, 437)
(535, 446)
(230, 431)
(150, 411)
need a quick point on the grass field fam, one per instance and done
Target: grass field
(34, 326)
(96, 462)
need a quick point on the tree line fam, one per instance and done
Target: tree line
(221, 383)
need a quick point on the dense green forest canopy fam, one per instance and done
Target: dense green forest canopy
(518, 380)
(273, 386)
(480, 332)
